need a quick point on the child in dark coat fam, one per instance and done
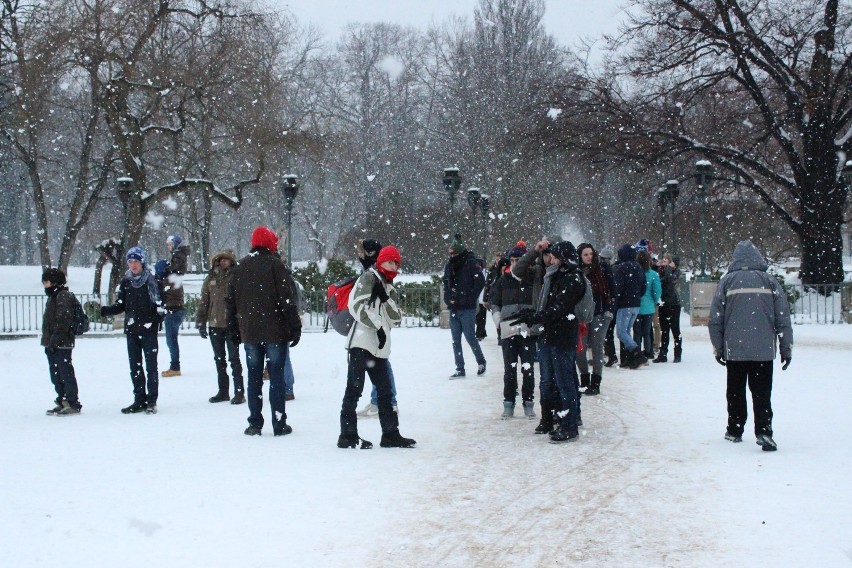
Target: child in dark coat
(57, 337)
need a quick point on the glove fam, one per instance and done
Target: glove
(521, 317)
(786, 360)
(720, 360)
(382, 337)
(379, 292)
(202, 331)
(294, 341)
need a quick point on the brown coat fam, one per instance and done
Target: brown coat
(211, 305)
(58, 322)
(261, 300)
(172, 283)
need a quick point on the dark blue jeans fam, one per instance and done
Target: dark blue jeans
(559, 383)
(171, 322)
(62, 375)
(275, 356)
(463, 322)
(643, 333)
(222, 342)
(138, 346)
(361, 363)
(374, 394)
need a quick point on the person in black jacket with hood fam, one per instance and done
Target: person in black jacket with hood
(140, 300)
(463, 281)
(669, 309)
(629, 280)
(57, 337)
(563, 287)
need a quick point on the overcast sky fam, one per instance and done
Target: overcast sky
(567, 20)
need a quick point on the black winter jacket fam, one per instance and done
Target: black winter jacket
(629, 280)
(463, 281)
(58, 321)
(261, 303)
(139, 305)
(670, 281)
(560, 325)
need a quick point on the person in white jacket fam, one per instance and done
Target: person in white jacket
(373, 304)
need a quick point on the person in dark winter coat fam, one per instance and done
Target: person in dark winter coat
(494, 272)
(463, 281)
(509, 296)
(602, 285)
(262, 310)
(669, 309)
(211, 314)
(368, 251)
(629, 286)
(605, 256)
(57, 338)
(562, 288)
(171, 278)
(481, 310)
(749, 321)
(373, 304)
(139, 299)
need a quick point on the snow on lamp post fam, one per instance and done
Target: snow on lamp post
(290, 188)
(703, 176)
(124, 188)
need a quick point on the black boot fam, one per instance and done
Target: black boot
(352, 441)
(395, 440)
(134, 408)
(545, 425)
(661, 358)
(677, 353)
(220, 397)
(595, 386)
(637, 359)
(585, 380)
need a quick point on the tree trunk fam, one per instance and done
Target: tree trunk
(822, 247)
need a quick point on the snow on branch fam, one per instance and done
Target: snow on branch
(231, 196)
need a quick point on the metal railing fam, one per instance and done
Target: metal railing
(23, 315)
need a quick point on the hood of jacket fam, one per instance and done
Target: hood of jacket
(229, 254)
(747, 257)
(626, 253)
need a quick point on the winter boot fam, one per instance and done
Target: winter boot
(677, 353)
(480, 370)
(134, 408)
(352, 441)
(529, 409)
(585, 380)
(661, 358)
(766, 442)
(283, 430)
(610, 361)
(60, 406)
(595, 386)
(636, 359)
(151, 408)
(563, 434)
(220, 397)
(508, 410)
(545, 425)
(733, 437)
(457, 375)
(72, 408)
(239, 398)
(253, 431)
(395, 440)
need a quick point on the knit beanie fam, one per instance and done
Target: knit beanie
(388, 253)
(564, 251)
(262, 237)
(371, 247)
(176, 240)
(607, 252)
(520, 249)
(53, 275)
(643, 244)
(137, 253)
(457, 246)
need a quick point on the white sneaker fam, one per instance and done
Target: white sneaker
(370, 410)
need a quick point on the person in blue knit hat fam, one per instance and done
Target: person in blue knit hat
(139, 299)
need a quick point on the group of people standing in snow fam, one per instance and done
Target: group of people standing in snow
(534, 295)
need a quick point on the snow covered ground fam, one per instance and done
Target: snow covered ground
(650, 483)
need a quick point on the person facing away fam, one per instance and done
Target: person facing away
(211, 320)
(170, 274)
(629, 286)
(139, 299)
(510, 295)
(262, 312)
(749, 322)
(373, 305)
(463, 281)
(669, 310)
(57, 338)
(368, 251)
(563, 287)
(643, 329)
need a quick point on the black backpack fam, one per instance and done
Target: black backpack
(81, 320)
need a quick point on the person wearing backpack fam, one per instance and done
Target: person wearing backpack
(562, 289)
(368, 251)
(601, 284)
(211, 315)
(57, 338)
(373, 304)
(139, 299)
(509, 295)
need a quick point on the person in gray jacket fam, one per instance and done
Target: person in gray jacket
(749, 311)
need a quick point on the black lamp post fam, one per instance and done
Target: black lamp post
(452, 183)
(672, 191)
(290, 187)
(124, 187)
(703, 176)
(474, 197)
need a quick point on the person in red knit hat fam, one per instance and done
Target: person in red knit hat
(373, 304)
(262, 312)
